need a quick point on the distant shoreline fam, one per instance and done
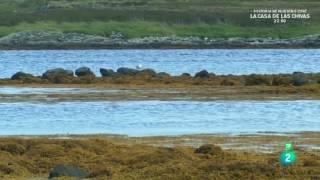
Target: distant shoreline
(77, 41)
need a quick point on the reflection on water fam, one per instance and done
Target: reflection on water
(218, 61)
(142, 118)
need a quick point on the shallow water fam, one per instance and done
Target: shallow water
(29, 90)
(242, 61)
(7, 90)
(144, 118)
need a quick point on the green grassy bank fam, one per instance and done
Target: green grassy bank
(139, 18)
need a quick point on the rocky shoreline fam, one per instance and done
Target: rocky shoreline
(129, 76)
(147, 84)
(59, 40)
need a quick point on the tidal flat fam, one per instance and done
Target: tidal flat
(96, 92)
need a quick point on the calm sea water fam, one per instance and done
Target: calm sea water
(172, 61)
(143, 118)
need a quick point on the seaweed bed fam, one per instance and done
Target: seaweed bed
(105, 159)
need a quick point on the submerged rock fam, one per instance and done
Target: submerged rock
(67, 171)
(84, 71)
(127, 71)
(107, 72)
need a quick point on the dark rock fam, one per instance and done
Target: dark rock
(84, 71)
(148, 72)
(127, 71)
(209, 149)
(163, 74)
(299, 79)
(50, 74)
(21, 76)
(67, 171)
(186, 75)
(58, 75)
(107, 72)
(202, 74)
